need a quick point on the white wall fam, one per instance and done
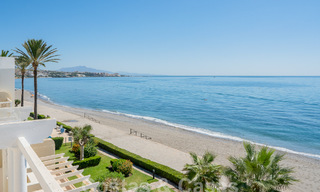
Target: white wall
(7, 76)
(34, 131)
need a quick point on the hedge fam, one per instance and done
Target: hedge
(161, 170)
(58, 141)
(39, 116)
(88, 162)
(67, 127)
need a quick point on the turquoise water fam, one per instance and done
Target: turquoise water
(277, 111)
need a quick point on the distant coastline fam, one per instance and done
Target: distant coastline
(91, 74)
(63, 74)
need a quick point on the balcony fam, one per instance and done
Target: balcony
(21, 168)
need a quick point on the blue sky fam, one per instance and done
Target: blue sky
(173, 37)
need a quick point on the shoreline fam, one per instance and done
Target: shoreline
(198, 130)
(169, 142)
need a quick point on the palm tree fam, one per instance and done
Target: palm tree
(203, 171)
(5, 53)
(39, 53)
(22, 64)
(258, 171)
(81, 136)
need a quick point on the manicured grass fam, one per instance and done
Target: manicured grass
(98, 170)
(138, 177)
(66, 150)
(162, 189)
(101, 169)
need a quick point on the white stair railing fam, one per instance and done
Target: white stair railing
(43, 175)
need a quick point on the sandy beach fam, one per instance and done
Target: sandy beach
(169, 145)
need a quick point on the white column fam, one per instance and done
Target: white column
(4, 171)
(17, 173)
(10, 168)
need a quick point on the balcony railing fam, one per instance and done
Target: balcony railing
(24, 171)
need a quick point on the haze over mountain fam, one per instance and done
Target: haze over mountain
(83, 69)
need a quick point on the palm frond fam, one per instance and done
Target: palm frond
(202, 170)
(208, 157)
(259, 171)
(22, 63)
(38, 52)
(5, 53)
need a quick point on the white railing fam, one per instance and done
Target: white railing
(43, 175)
(45, 170)
(49, 173)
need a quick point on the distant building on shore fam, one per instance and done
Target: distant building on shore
(62, 74)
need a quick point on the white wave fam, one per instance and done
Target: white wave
(44, 97)
(210, 133)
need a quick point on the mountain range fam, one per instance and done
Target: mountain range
(83, 69)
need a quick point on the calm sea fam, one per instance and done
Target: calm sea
(277, 111)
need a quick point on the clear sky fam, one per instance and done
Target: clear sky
(173, 37)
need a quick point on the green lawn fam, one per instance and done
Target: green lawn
(66, 150)
(101, 169)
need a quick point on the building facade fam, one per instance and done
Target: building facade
(27, 157)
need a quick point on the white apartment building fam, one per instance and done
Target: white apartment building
(27, 157)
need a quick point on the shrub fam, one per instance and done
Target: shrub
(75, 148)
(67, 127)
(58, 142)
(17, 102)
(161, 170)
(90, 150)
(39, 116)
(32, 114)
(30, 118)
(88, 162)
(122, 166)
